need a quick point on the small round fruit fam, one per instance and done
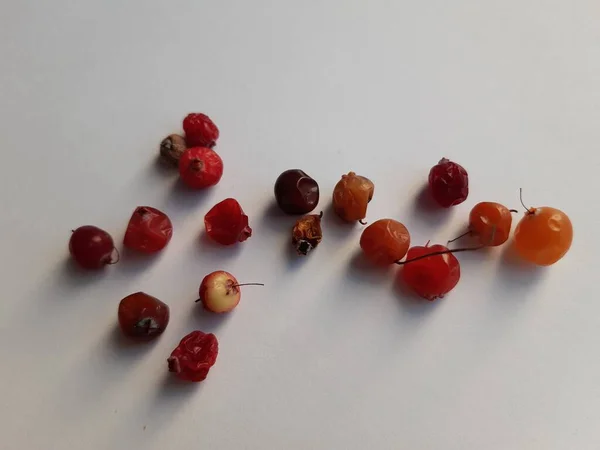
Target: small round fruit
(490, 222)
(171, 149)
(351, 196)
(92, 247)
(544, 235)
(431, 277)
(149, 230)
(226, 223)
(200, 167)
(220, 292)
(194, 356)
(385, 241)
(200, 131)
(296, 192)
(448, 183)
(143, 316)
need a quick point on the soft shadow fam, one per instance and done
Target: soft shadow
(172, 388)
(276, 220)
(410, 302)
(426, 209)
(185, 198)
(217, 251)
(164, 168)
(336, 228)
(361, 270)
(122, 348)
(134, 263)
(517, 275)
(74, 276)
(207, 321)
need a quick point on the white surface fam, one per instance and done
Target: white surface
(328, 355)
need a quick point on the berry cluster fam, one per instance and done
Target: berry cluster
(542, 236)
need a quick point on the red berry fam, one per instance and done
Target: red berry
(143, 316)
(149, 230)
(194, 356)
(448, 183)
(434, 276)
(226, 223)
(200, 167)
(200, 131)
(92, 247)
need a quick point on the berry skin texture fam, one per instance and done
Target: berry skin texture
(307, 233)
(171, 149)
(544, 235)
(220, 292)
(194, 356)
(385, 241)
(226, 223)
(490, 222)
(200, 131)
(433, 277)
(351, 196)
(448, 183)
(142, 316)
(149, 230)
(200, 167)
(296, 192)
(92, 248)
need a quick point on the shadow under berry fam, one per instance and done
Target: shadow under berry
(515, 275)
(409, 301)
(427, 210)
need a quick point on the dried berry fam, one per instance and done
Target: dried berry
(351, 196)
(490, 222)
(448, 183)
(307, 234)
(149, 230)
(143, 316)
(226, 223)
(194, 356)
(171, 149)
(200, 131)
(296, 192)
(92, 247)
(385, 241)
(200, 167)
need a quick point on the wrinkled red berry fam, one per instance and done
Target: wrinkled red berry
(200, 131)
(149, 230)
(200, 167)
(448, 183)
(226, 223)
(434, 276)
(194, 356)
(142, 316)
(92, 247)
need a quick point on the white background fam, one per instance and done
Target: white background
(330, 354)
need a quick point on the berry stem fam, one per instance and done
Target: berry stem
(529, 210)
(248, 284)
(461, 236)
(513, 211)
(118, 257)
(362, 222)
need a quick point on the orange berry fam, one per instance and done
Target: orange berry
(385, 241)
(491, 223)
(351, 196)
(544, 235)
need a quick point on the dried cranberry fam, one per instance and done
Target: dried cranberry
(143, 316)
(149, 230)
(296, 192)
(200, 131)
(92, 247)
(448, 183)
(194, 356)
(200, 167)
(226, 223)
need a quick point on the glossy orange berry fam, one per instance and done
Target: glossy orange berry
(544, 235)
(351, 196)
(490, 222)
(385, 241)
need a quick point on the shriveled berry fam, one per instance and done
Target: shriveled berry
(171, 149)
(296, 192)
(351, 196)
(385, 241)
(226, 223)
(149, 230)
(490, 222)
(142, 316)
(448, 183)
(434, 276)
(200, 167)
(307, 233)
(544, 235)
(92, 247)
(194, 356)
(200, 131)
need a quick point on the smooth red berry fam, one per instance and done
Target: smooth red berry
(200, 131)
(226, 223)
(385, 241)
(149, 230)
(448, 183)
(194, 356)
(92, 247)
(200, 167)
(142, 316)
(434, 276)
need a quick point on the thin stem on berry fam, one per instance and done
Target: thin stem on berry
(513, 211)
(362, 222)
(461, 236)
(248, 284)
(118, 256)
(529, 210)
